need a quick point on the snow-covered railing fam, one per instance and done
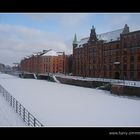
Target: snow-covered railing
(27, 117)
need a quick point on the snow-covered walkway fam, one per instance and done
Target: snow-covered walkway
(114, 81)
(55, 79)
(8, 117)
(55, 104)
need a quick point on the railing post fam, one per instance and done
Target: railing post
(24, 114)
(11, 101)
(16, 106)
(34, 121)
(28, 119)
(8, 96)
(3, 91)
(20, 109)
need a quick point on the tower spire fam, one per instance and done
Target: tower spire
(93, 27)
(125, 29)
(75, 40)
(93, 36)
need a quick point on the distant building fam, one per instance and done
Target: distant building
(7, 69)
(49, 62)
(16, 67)
(46, 62)
(114, 54)
(2, 67)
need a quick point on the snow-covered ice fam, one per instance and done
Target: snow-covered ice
(55, 104)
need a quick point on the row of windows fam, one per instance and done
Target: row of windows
(107, 53)
(131, 44)
(131, 66)
(117, 59)
(132, 75)
(94, 49)
(125, 59)
(110, 47)
(110, 67)
(132, 51)
(110, 59)
(132, 36)
(129, 76)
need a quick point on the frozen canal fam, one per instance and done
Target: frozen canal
(56, 104)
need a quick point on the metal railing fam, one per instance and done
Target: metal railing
(26, 116)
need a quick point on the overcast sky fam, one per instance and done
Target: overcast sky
(23, 34)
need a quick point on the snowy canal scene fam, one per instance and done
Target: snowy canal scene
(55, 104)
(70, 70)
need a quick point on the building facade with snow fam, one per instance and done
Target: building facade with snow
(114, 54)
(46, 62)
(53, 62)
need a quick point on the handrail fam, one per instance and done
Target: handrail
(27, 117)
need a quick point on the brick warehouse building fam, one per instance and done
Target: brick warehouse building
(114, 54)
(45, 62)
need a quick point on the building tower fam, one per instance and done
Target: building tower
(75, 42)
(126, 29)
(93, 36)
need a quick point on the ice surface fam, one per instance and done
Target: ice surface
(55, 104)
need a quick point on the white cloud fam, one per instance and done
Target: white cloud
(18, 41)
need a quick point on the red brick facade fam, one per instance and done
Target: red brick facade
(114, 54)
(45, 64)
(130, 55)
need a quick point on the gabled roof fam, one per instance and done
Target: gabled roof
(50, 53)
(82, 42)
(110, 36)
(106, 37)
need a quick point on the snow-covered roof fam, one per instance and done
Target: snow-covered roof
(82, 42)
(110, 36)
(50, 53)
(40, 53)
(26, 57)
(107, 37)
(60, 53)
(34, 54)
